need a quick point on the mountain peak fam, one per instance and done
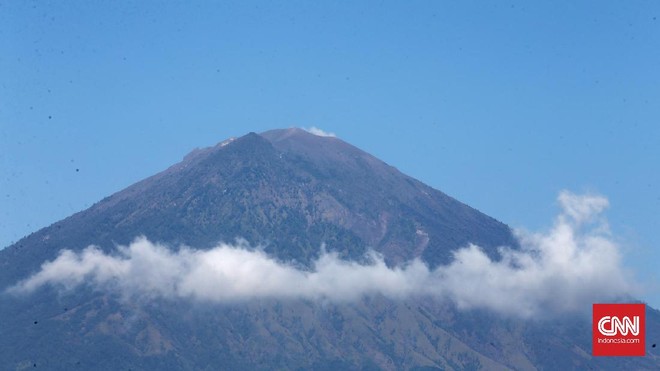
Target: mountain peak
(276, 135)
(288, 190)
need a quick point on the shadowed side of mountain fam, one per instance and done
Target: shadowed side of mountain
(90, 330)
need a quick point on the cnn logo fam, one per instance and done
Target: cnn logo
(612, 326)
(618, 330)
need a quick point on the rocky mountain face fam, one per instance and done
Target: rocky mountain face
(289, 192)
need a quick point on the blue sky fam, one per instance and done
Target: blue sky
(499, 104)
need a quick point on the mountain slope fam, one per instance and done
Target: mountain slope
(291, 192)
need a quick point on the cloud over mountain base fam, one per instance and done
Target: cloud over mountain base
(565, 269)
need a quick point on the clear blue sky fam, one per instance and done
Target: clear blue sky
(499, 104)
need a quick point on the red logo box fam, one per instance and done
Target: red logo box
(618, 330)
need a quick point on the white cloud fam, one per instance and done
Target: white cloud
(316, 131)
(582, 207)
(567, 268)
(224, 273)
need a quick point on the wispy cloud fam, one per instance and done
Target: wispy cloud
(573, 265)
(316, 131)
(567, 268)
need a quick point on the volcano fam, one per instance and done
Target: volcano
(295, 195)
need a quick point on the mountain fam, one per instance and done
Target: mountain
(288, 189)
(289, 192)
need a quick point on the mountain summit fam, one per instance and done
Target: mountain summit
(291, 194)
(288, 190)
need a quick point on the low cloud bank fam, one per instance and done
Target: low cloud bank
(564, 269)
